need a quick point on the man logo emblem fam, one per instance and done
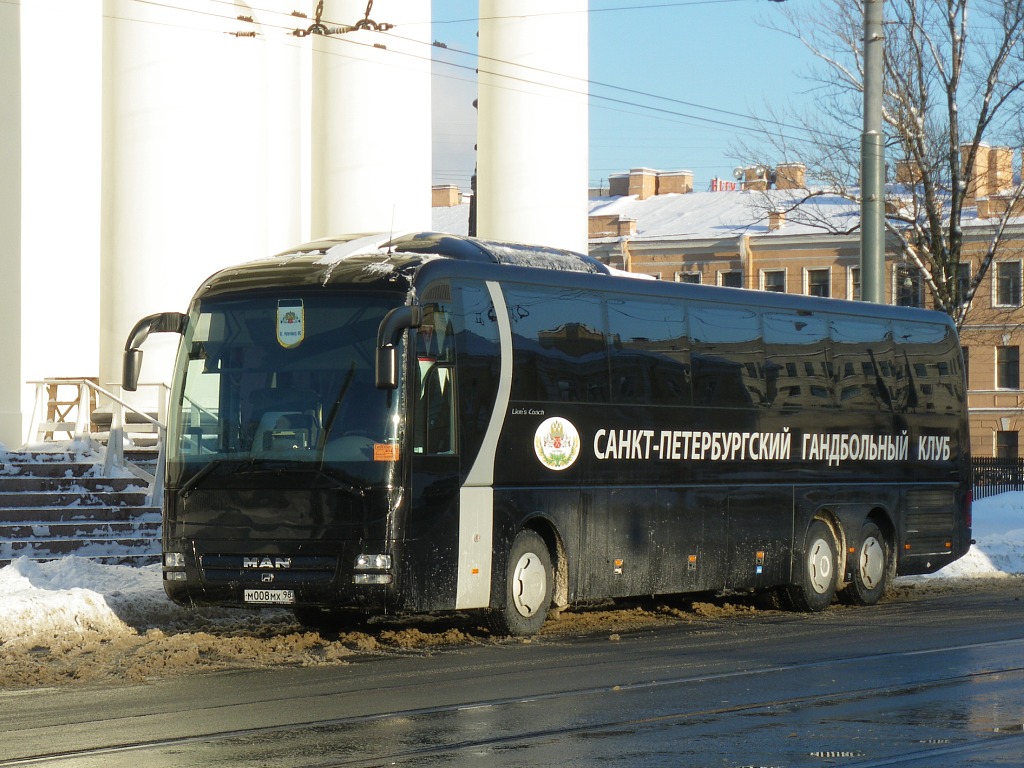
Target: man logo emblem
(266, 577)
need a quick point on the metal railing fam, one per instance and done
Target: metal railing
(78, 417)
(992, 476)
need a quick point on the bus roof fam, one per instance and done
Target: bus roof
(380, 261)
(389, 262)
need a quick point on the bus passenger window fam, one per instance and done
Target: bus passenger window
(727, 357)
(862, 349)
(560, 344)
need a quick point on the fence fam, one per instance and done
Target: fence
(992, 476)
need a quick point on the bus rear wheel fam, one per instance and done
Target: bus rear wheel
(528, 587)
(816, 587)
(871, 568)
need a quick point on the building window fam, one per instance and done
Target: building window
(774, 280)
(967, 365)
(1006, 445)
(731, 279)
(1008, 284)
(853, 290)
(688, 277)
(909, 288)
(963, 282)
(1007, 367)
(819, 282)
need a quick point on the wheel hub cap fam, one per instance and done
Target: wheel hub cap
(529, 584)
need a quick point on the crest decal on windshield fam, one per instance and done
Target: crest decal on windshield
(291, 329)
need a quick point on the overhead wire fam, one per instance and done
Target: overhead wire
(647, 109)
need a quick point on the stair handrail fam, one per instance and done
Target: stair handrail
(114, 452)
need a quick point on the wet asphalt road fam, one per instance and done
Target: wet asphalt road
(934, 681)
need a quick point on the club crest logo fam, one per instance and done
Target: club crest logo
(291, 328)
(557, 443)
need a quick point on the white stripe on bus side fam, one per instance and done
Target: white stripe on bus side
(476, 497)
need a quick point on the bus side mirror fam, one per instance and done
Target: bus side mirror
(162, 322)
(391, 327)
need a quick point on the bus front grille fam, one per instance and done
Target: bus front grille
(282, 570)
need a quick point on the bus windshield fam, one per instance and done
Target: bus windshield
(283, 378)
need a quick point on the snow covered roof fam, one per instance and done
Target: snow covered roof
(715, 215)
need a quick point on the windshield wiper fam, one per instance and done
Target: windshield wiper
(203, 472)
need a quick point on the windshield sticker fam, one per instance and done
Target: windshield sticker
(557, 443)
(291, 329)
(385, 451)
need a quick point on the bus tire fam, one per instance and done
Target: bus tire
(528, 587)
(872, 563)
(816, 587)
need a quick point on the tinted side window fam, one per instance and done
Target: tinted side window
(479, 360)
(929, 358)
(650, 358)
(863, 361)
(559, 342)
(799, 367)
(726, 356)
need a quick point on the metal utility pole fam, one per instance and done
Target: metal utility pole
(872, 158)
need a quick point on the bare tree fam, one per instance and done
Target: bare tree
(954, 73)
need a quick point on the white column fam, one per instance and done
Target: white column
(371, 121)
(200, 160)
(61, 186)
(532, 123)
(11, 406)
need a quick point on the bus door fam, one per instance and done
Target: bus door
(457, 404)
(431, 549)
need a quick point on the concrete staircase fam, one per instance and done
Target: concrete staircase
(58, 503)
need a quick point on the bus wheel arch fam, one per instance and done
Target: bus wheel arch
(872, 564)
(529, 586)
(820, 564)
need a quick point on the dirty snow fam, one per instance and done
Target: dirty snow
(76, 620)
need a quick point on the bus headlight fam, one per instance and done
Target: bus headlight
(373, 562)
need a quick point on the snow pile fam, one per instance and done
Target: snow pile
(999, 533)
(73, 595)
(76, 596)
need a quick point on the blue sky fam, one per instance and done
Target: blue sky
(711, 54)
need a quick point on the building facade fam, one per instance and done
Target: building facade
(753, 235)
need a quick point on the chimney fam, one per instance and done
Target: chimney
(611, 225)
(908, 172)
(791, 176)
(445, 196)
(643, 182)
(618, 185)
(776, 219)
(978, 186)
(675, 182)
(755, 178)
(1000, 169)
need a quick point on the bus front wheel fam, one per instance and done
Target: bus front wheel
(872, 568)
(528, 585)
(816, 587)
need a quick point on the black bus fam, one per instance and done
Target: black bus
(442, 423)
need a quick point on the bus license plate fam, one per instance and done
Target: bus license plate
(269, 596)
